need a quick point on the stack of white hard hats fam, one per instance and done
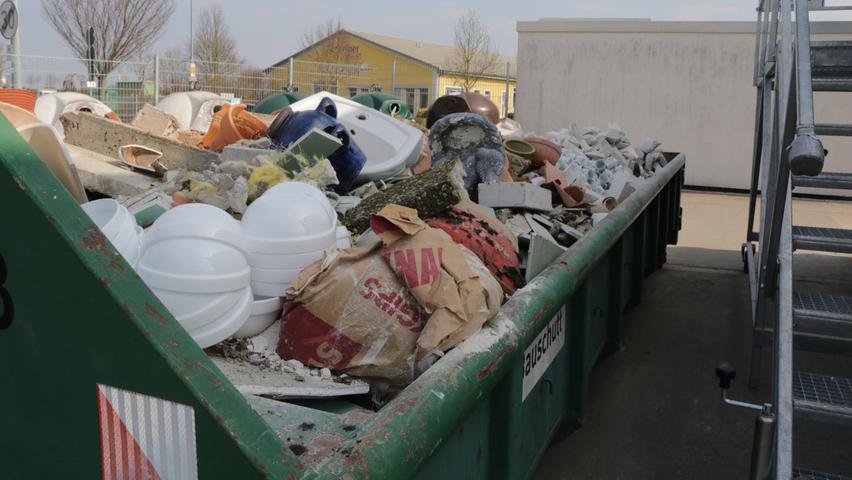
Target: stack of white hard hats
(264, 312)
(220, 277)
(118, 225)
(194, 259)
(287, 229)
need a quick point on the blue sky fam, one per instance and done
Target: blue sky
(268, 30)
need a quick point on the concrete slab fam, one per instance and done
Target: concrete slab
(252, 380)
(105, 136)
(105, 175)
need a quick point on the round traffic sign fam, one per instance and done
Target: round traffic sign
(8, 19)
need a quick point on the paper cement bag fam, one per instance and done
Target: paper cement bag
(349, 312)
(438, 273)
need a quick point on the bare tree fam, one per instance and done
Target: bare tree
(215, 48)
(174, 71)
(474, 55)
(143, 66)
(252, 84)
(123, 29)
(334, 54)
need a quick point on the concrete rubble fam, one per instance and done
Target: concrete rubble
(510, 216)
(525, 196)
(105, 136)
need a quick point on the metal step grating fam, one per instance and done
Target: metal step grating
(834, 129)
(831, 59)
(832, 233)
(822, 239)
(808, 302)
(805, 474)
(836, 180)
(822, 389)
(832, 84)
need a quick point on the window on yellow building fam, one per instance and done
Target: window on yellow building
(415, 98)
(357, 90)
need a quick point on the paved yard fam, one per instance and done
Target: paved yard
(654, 408)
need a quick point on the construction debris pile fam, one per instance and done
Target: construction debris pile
(327, 234)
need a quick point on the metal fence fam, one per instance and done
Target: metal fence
(123, 86)
(126, 86)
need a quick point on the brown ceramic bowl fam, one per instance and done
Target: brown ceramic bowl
(464, 102)
(444, 106)
(545, 150)
(520, 148)
(482, 105)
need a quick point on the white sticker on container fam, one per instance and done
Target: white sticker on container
(542, 351)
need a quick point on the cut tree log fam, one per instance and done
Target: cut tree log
(429, 193)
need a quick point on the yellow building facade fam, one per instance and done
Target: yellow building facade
(413, 71)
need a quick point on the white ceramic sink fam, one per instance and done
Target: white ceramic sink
(388, 144)
(50, 107)
(191, 109)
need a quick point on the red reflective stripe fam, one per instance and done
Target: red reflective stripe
(103, 429)
(118, 436)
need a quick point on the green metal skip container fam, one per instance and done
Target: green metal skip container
(99, 381)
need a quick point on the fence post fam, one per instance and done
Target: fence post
(16, 54)
(156, 79)
(290, 74)
(393, 78)
(506, 95)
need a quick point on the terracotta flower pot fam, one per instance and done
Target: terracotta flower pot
(231, 124)
(19, 97)
(521, 148)
(545, 151)
(572, 195)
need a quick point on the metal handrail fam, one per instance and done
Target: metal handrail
(783, 352)
(784, 114)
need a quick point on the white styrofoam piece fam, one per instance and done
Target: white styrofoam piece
(515, 195)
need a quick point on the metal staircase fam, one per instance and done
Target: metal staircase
(788, 154)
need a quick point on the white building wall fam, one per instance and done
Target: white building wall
(688, 84)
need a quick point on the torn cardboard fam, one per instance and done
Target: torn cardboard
(448, 280)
